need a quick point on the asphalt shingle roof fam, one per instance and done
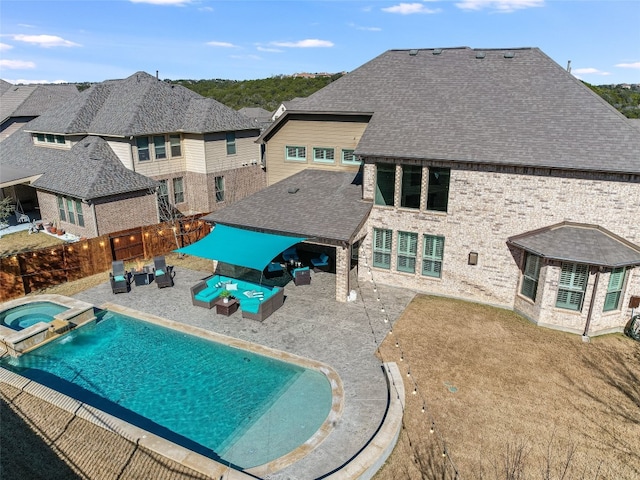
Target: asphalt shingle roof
(578, 243)
(326, 205)
(140, 105)
(512, 106)
(33, 100)
(91, 169)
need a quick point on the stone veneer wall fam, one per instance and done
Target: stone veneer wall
(487, 205)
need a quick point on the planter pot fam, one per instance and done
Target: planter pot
(61, 232)
(53, 230)
(225, 300)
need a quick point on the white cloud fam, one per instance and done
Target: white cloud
(588, 71)
(16, 64)
(628, 65)
(178, 3)
(409, 9)
(46, 41)
(4, 47)
(266, 49)
(504, 6)
(308, 43)
(221, 44)
(205, 9)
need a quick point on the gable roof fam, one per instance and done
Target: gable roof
(140, 105)
(33, 100)
(323, 205)
(500, 106)
(579, 243)
(90, 170)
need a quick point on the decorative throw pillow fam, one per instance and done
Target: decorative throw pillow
(232, 287)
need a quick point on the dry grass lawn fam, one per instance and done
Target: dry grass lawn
(508, 396)
(23, 242)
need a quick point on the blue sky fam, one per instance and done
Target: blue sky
(92, 40)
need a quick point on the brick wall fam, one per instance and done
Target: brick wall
(128, 211)
(487, 205)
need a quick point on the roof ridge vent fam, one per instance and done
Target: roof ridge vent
(413, 52)
(481, 54)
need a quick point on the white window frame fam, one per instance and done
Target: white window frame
(178, 193)
(615, 289)
(407, 252)
(382, 245)
(530, 276)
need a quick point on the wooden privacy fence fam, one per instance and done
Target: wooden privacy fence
(26, 272)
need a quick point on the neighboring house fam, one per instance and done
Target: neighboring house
(494, 176)
(284, 106)
(21, 103)
(260, 117)
(124, 146)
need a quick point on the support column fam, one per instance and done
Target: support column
(343, 261)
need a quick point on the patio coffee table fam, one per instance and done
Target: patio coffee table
(226, 309)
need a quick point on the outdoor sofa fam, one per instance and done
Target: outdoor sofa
(321, 263)
(256, 301)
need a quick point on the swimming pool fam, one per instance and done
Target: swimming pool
(27, 315)
(226, 403)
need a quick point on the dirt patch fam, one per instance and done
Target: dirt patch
(506, 395)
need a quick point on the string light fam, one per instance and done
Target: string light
(432, 428)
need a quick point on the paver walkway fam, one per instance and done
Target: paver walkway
(310, 324)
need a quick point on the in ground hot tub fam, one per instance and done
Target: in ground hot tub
(29, 322)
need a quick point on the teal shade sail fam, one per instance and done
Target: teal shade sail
(237, 246)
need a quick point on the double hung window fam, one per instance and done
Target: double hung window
(531, 275)
(433, 252)
(382, 248)
(572, 285)
(614, 289)
(407, 252)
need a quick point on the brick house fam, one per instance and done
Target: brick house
(110, 156)
(494, 176)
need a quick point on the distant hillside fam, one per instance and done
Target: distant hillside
(267, 93)
(625, 99)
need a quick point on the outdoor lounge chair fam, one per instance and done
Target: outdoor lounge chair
(290, 254)
(119, 278)
(301, 276)
(321, 263)
(163, 273)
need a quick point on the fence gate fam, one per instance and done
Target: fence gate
(127, 245)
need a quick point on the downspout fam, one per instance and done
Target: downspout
(585, 335)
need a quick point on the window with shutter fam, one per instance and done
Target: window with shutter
(530, 276)
(382, 248)
(433, 251)
(572, 285)
(614, 290)
(407, 252)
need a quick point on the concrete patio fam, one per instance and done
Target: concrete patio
(310, 324)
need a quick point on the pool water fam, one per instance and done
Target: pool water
(226, 403)
(24, 316)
